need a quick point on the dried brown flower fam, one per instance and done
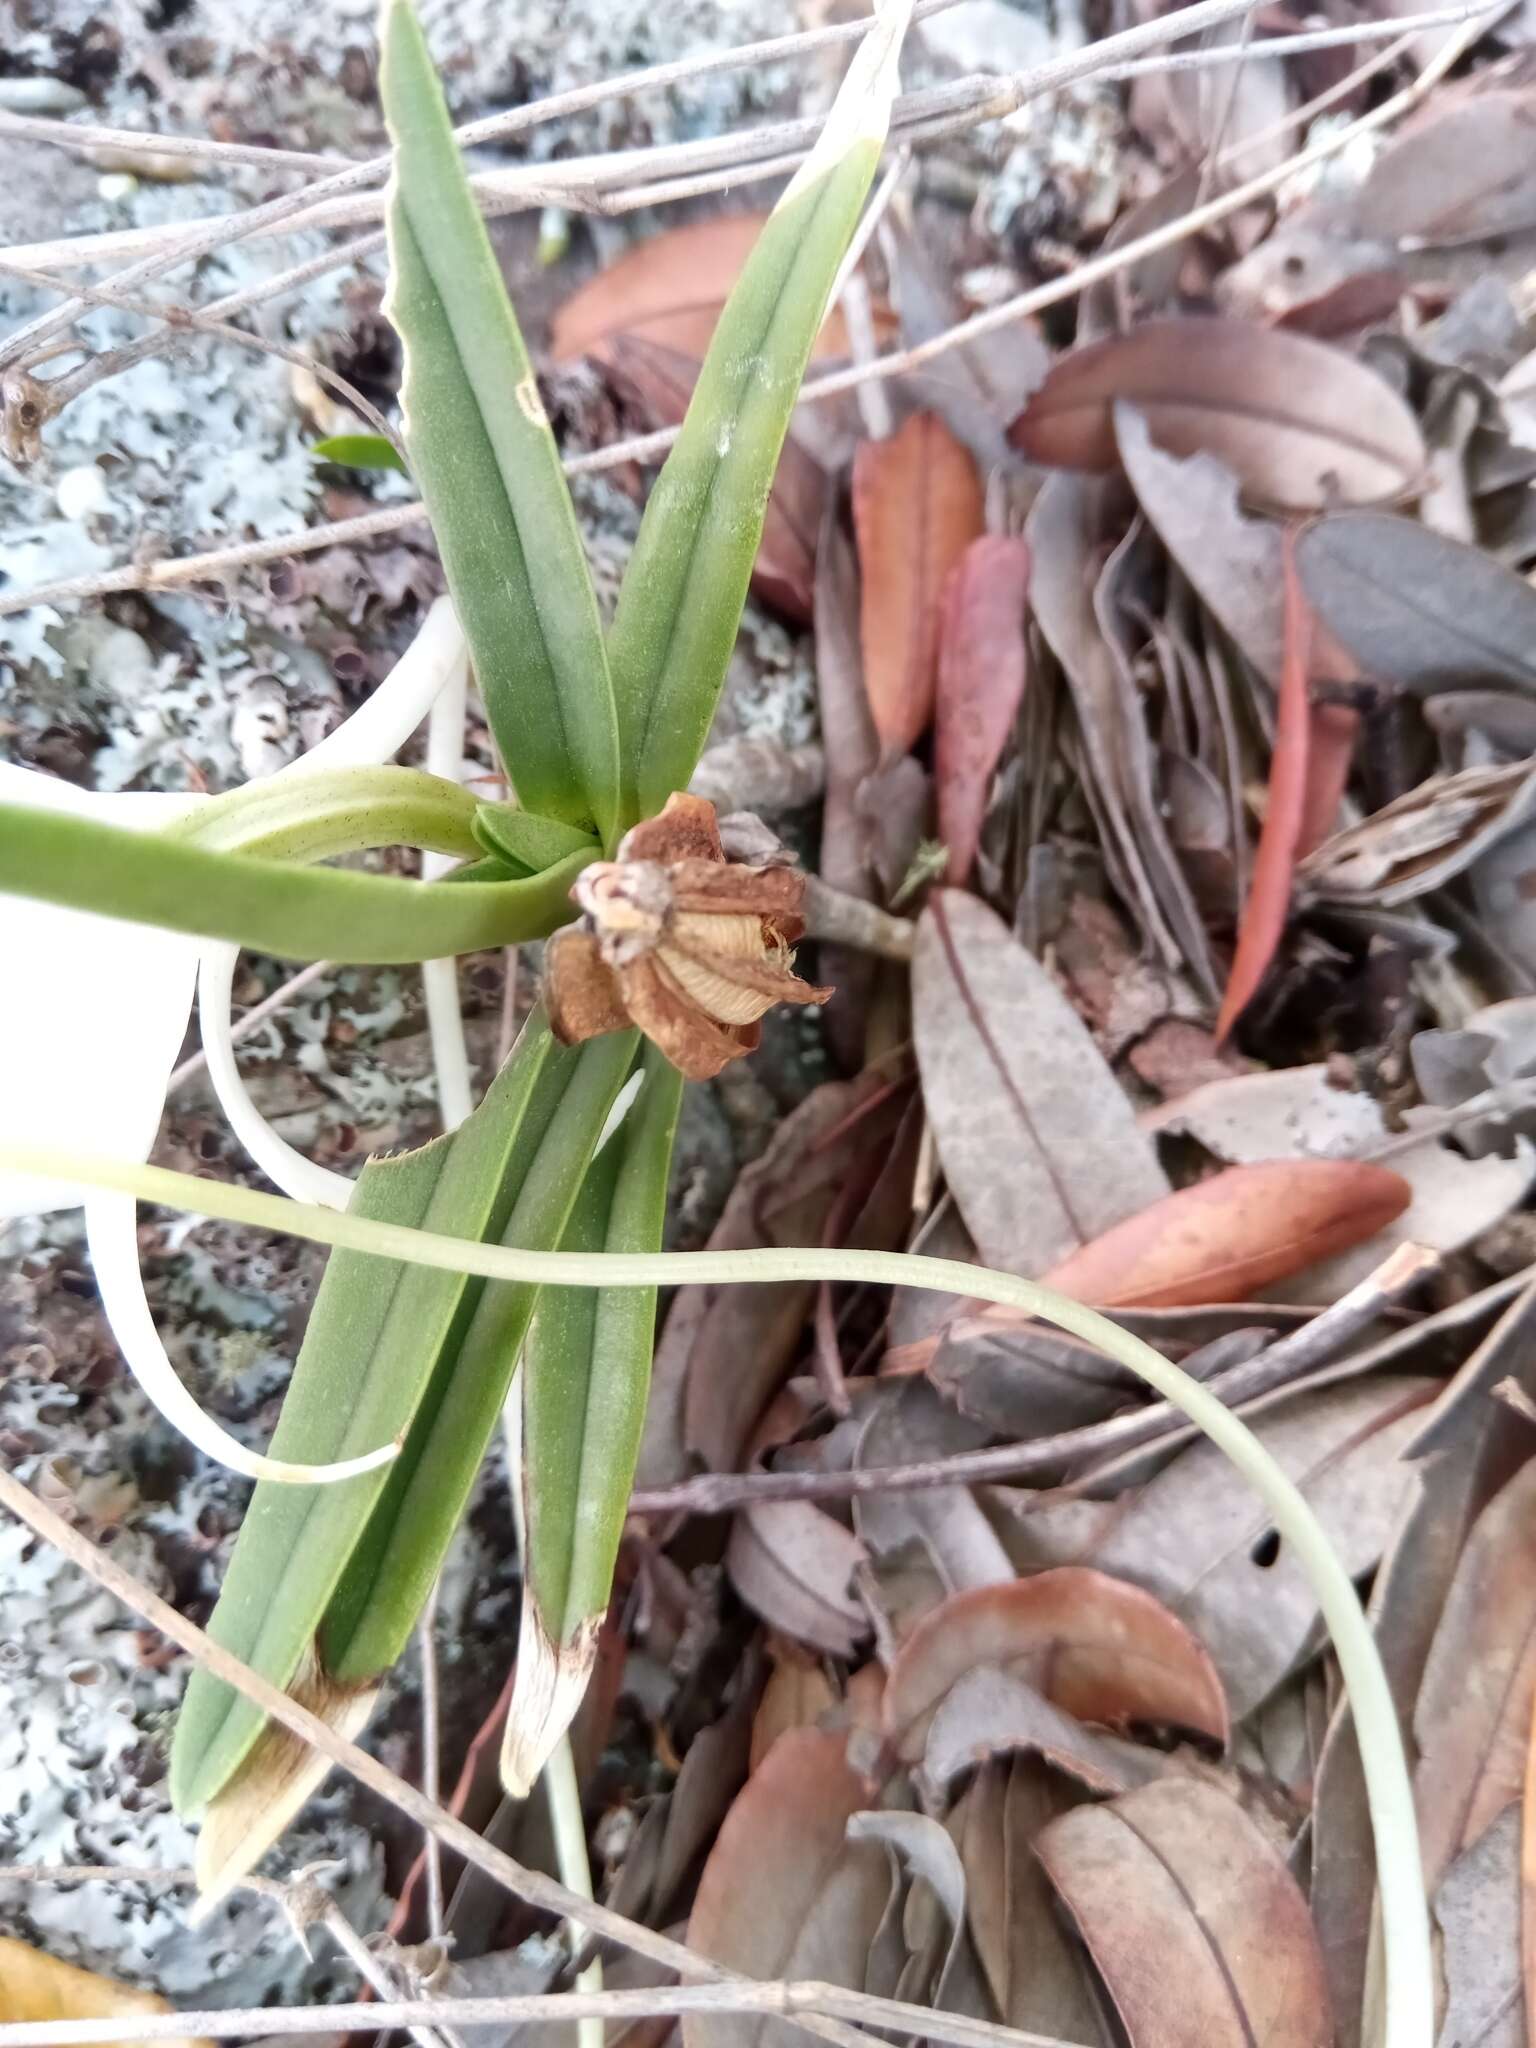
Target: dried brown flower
(678, 940)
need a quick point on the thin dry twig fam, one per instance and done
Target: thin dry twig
(1156, 1422)
(220, 562)
(802, 2002)
(532, 1886)
(196, 1062)
(343, 198)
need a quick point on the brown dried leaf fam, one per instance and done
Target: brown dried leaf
(724, 1350)
(1473, 1717)
(784, 1894)
(1301, 425)
(1039, 1143)
(1230, 1237)
(1094, 1646)
(797, 1695)
(981, 685)
(917, 506)
(1197, 1927)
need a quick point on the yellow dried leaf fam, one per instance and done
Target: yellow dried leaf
(34, 1986)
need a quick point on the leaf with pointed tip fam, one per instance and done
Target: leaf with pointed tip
(1039, 1143)
(586, 1373)
(917, 507)
(359, 451)
(391, 1349)
(490, 472)
(681, 600)
(527, 843)
(1416, 608)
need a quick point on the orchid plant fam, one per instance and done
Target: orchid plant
(557, 1180)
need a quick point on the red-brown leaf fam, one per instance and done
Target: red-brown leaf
(981, 683)
(1197, 1927)
(917, 506)
(1274, 868)
(1302, 425)
(1095, 1646)
(1229, 1237)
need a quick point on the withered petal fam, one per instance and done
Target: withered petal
(697, 1046)
(684, 830)
(772, 893)
(581, 992)
(770, 978)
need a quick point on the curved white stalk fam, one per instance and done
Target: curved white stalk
(283, 1165)
(440, 978)
(1409, 1963)
(379, 728)
(111, 1228)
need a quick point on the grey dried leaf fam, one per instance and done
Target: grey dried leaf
(1039, 1143)
(1473, 1716)
(991, 1712)
(927, 1544)
(1416, 608)
(794, 1566)
(1465, 1436)
(1064, 539)
(1035, 1970)
(1478, 1908)
(1232, 558)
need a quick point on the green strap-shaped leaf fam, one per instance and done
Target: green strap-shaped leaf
(293, 913)
(682, 595)
(489, 470)
(527, 842)
(586, 1374)
(387, 1351)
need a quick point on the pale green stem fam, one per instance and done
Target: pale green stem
(1410, 1981)
(566, 1821)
